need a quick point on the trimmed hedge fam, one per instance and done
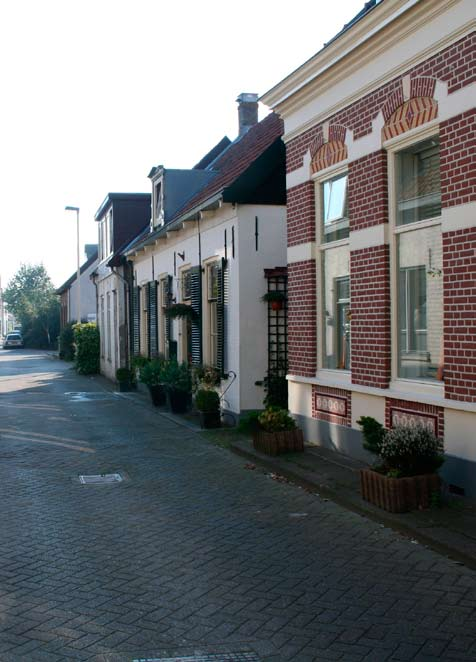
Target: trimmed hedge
(86, 338)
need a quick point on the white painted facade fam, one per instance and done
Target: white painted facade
(202, 243)
(87, 295)
(112, 302)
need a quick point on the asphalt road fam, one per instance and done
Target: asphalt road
(193, 555)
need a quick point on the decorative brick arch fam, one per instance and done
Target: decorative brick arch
(409, 115)
(329, 154)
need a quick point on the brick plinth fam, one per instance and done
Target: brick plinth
(459, 302)
(302, 318)
(370, 326)
(333, 405)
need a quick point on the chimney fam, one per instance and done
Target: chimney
(90, 249)
(247, 112)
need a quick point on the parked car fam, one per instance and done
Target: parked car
(13, 340)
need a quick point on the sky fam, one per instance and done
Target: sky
(96, 92)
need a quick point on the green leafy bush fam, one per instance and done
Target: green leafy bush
(181, 310)
(276, 390)
(276, 419)
(125, 375)
(205, 376)
(176, 376)
(86, 338)
(404, 450)
(151, 372)
(249, 422)
(207, 400)
(66, 343)
(412, 450)
(373, 432)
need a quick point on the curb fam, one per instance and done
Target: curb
(302, 479)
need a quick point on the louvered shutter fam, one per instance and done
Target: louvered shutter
(152, 335)
(196, 303)
(135, 321)
(222, 302)
(168, 320)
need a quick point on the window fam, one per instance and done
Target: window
(158, 204)
(419, 261)
(418, 182)
(334, 273)
(102, 330)
(335, 212)
(186, 285)
(108, 325)
(336, 317)
(212, 300)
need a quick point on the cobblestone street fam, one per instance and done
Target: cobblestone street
(192, 553)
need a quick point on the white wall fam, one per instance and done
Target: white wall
(246, 331)
(253, 313)
(87, 296)
(117, 339)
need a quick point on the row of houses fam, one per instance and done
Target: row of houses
(357, 197)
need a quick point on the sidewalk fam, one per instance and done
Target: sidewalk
(449, 529)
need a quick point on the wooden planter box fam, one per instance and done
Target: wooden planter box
(274, 443)
(398, 495)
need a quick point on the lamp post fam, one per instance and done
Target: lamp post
(78, 297)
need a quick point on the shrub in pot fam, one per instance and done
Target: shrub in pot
(125, 379)
(178, 385)
(151, 374)
(277, 432)
(207, 402)
(276, 298)
(405, 474)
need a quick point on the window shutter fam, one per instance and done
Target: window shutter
(152, 335)
(222, 303)
(135, 320)
(168, 320)
(196, 303)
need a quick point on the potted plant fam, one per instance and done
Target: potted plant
(276, 298)
(178, 385)
(277, 432)
(405, 476)
(125, 379)
(207, 402)
(151, 375)
(181, 310)
(205, 376)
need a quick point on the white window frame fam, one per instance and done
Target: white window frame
(337, 375)
(393, 146)
(182, 332)
(208, 358)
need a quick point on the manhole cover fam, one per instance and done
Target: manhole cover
(211, 657)
(100, 479)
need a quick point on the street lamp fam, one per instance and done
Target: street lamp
(78, 298)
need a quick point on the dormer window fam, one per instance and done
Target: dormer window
(105, 236)
(158, 204)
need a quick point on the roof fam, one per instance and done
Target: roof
(113, 197)
(229, 168)
(213, 154)
(82, 269)
(116, 259)
(236, 159)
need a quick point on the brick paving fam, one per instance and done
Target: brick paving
(193, 554)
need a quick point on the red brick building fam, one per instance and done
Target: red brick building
(381, 194)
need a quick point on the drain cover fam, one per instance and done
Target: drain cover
(213, 657)
(100, 479)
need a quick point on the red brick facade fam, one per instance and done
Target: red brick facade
(302, 318)
(301, 214)
(459, 268)
(370, 305)
(458, 159)
(333, 405)
(400, 409)
(368, 197)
